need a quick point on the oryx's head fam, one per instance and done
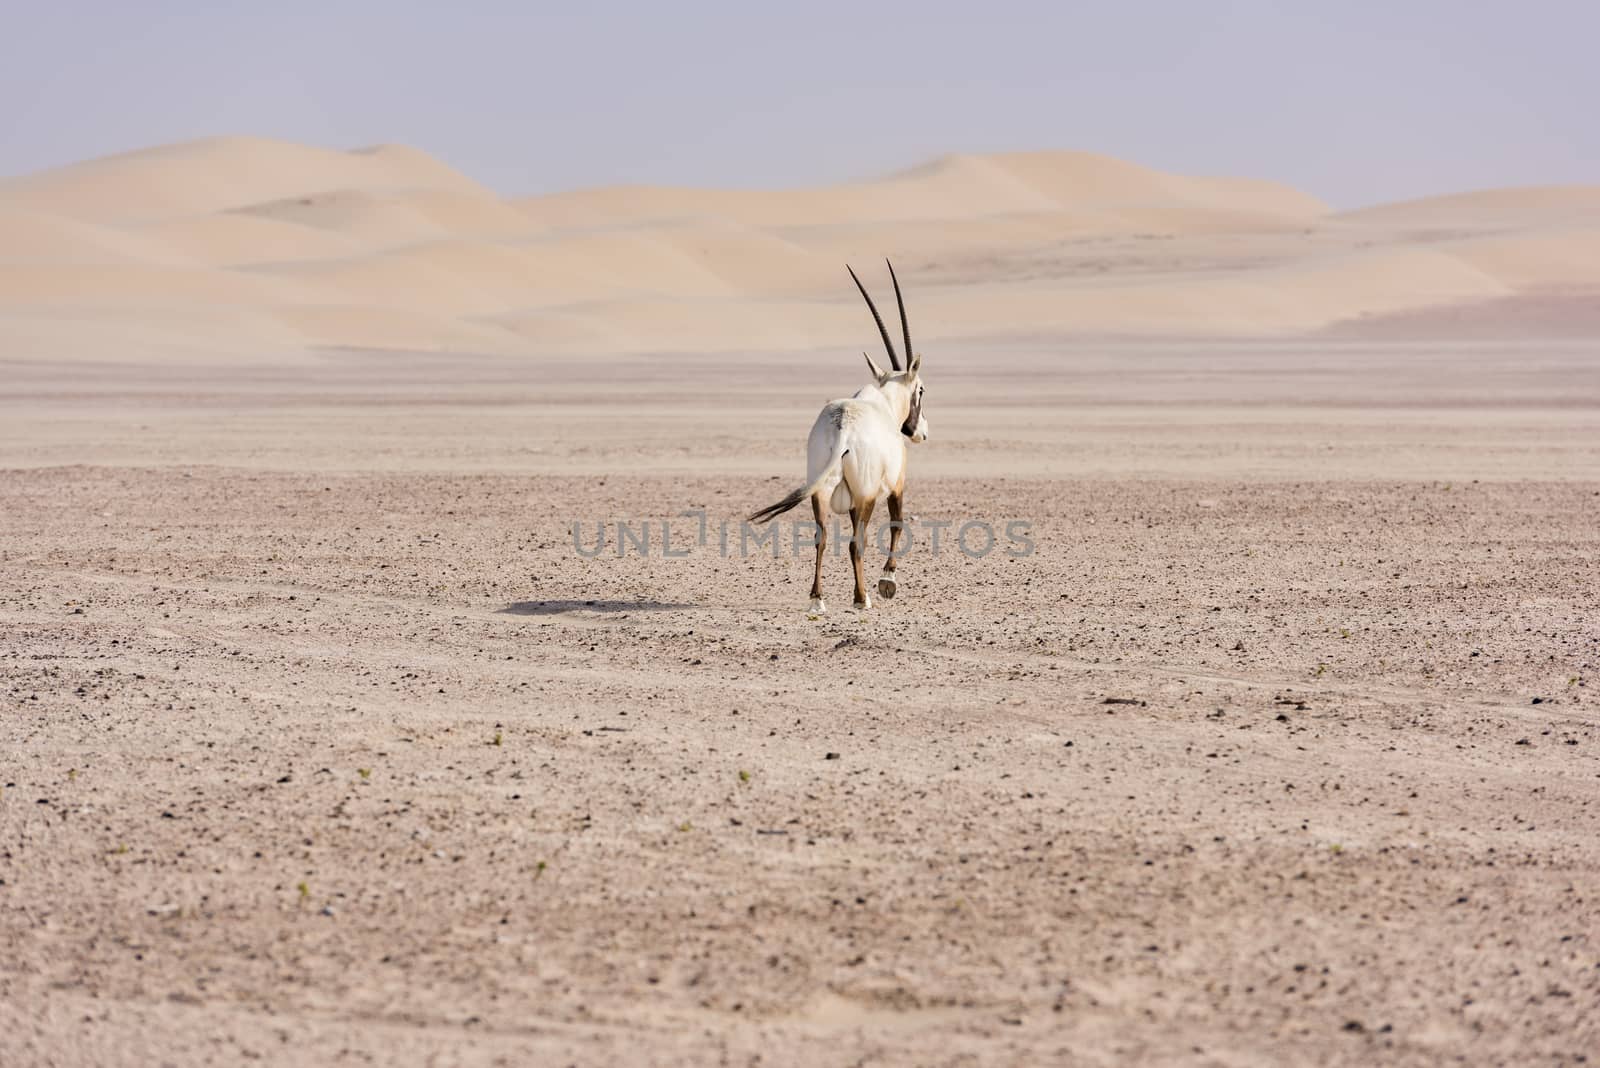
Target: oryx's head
(903, 386)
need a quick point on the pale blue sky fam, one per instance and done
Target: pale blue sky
(1354, 101)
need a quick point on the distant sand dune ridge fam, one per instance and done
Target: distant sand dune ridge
(243, 248)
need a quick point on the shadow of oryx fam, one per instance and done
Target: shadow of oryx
(556, 608)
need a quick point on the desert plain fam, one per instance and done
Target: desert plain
(324, 741)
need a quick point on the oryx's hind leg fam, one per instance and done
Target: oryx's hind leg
(860, 517)
(886, 584)
(817, 511)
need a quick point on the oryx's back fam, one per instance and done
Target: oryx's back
(854, 451)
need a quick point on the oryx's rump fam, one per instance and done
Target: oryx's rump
(829, 470)
(872, 454)
(855, 454)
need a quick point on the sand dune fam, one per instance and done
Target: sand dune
(41, 239)
(90, 287)
(255, 245)
(1072, 178)
(231, 239)
(1551, 258)
(398, 328)
(194, 334)
(955, 188)
(456, 279)
(220, 173)
(950, 188)
(1495, 208)
(375, 222)
(388, 219)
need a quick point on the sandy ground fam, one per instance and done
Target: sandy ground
(322, 744)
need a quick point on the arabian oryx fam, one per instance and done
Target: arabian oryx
(857, 454)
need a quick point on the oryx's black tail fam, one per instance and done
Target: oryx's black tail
(773, 511)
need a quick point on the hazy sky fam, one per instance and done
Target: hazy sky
(1354, 101)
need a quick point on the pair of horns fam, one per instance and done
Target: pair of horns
(905, 327)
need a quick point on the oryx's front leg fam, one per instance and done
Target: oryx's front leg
(860, 517)
(819, 512)
(886, 584)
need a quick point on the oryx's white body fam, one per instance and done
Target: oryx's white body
(856, 456)
(856, 452)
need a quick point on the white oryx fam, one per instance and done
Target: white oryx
(857, 454)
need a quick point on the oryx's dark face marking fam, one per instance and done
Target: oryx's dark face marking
(914, 414)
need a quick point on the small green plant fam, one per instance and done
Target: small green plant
(685, 826)
(496, 737)
(365, 773)
(122, 847)
(1336, 848)
(538, 869)
(305, 891)
(744, 776)
(72, 774)
(1344, 633)
(1321, 670)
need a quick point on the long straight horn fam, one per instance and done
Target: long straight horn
(894, 361)
(905, 326)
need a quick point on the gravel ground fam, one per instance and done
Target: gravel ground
(362, 762)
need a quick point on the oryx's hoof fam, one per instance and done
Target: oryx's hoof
(886, 587)
(864, 604)
(818, 607)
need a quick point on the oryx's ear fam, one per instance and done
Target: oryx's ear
(916, 363)
(877, 372)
